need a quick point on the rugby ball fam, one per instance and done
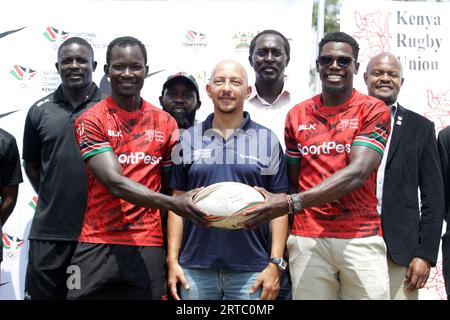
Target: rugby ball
(224, 203)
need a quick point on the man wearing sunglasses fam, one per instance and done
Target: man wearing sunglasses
(334, 145)
(411, 232)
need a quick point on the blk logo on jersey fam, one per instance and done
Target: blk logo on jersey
(113, 133)
(304, 127)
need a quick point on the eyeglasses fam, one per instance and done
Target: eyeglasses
(342, 61)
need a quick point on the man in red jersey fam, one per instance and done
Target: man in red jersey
(334, 144)
(126, 144)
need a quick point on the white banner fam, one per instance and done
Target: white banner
(418, 34)
(186, 36)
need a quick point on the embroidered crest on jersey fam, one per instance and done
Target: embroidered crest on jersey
(154, 135)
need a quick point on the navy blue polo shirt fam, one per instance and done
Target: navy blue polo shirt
(251, 155)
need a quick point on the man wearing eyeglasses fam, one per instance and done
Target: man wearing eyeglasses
(334, 145)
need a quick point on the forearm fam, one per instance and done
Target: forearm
(174, 237)
(279, 231)
(138, 194)
(334, 187)
(8, 202)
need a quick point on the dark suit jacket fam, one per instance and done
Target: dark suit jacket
(444, 152)
(412, 163)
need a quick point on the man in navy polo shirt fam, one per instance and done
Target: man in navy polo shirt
(213, 263)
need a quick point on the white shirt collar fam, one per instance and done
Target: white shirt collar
(285, 94)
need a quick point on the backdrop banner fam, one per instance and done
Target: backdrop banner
(418, 34)
(189, 36)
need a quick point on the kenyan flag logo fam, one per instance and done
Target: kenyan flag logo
(22, 73)
(195, 39)
(54, 35)
(33, 202)
(10, 242)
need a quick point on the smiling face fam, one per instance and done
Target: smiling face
(269, 59)
(127, 70)
(337, 79)
(383, 78)
(75, 66)
(228, 87)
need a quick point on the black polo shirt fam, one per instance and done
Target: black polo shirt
(49, 138)
(10, 172)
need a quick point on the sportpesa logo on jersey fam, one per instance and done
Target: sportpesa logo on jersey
(324, 148)
(136, 157)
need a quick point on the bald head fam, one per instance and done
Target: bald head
(383, 77)
(230, 65)
(385, 57)
(228, 87)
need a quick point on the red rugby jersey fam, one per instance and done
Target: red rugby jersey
(319, 139)
(143, 141)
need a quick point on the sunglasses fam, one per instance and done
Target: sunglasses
(342, 61)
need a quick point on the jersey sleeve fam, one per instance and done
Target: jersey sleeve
(31, 150)
(375, 129)
(173, 134)
(293, 155)
(90, 136)
(10, 173)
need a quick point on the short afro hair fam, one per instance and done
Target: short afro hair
(287, 47)
(79, 41)
(340, 37)
(123, 42)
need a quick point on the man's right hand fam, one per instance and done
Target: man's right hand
(184, 206)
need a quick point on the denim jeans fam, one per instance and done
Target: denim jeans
(216, 284)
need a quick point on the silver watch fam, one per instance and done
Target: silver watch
(297, 203)
(280, 262)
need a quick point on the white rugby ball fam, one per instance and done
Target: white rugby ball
(224, 203)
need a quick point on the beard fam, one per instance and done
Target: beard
(334, 89)
(184, 119)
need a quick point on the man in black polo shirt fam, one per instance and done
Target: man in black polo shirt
(10, 178)
(55, 169)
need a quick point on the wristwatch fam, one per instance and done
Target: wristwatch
(297, 203)
(280, 262)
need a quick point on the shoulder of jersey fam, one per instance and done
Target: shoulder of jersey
(43, 101)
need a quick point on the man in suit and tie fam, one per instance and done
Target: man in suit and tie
(411, 224)
(444, 152)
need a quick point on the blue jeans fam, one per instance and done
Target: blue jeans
(217, 284)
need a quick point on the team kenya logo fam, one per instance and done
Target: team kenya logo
(195, 39)
(324, 148)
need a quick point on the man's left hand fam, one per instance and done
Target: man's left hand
(269, 278)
